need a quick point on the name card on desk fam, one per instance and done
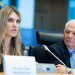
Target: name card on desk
(19, 65)
(46, 68)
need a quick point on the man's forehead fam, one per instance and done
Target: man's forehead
(70, 29)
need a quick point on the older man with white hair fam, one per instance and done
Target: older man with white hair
(65, 50)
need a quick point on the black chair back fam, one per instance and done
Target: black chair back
(48, 38)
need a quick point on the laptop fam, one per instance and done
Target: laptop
(19, 65)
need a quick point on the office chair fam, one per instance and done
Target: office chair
(48, 38)
(44, 38)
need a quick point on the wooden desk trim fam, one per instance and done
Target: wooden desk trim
(1, 73)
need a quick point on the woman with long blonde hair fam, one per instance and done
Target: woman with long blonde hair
(10, 42)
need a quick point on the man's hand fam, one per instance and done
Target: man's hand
(61, 69)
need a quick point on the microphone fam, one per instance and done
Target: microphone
(47, 49)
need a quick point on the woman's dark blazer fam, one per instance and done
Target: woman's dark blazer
(61, 51)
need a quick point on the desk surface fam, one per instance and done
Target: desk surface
(37, 74)
(45, 74)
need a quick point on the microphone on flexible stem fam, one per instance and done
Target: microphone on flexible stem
(47, 49)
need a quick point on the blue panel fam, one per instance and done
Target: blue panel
(28, 37)
(71, 9)
(26, 8)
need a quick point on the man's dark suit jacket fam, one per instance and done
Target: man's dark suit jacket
(43, 56)
(61, 51)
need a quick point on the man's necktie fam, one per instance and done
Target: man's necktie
(72, 59)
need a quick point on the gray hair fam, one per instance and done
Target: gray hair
(69, 22)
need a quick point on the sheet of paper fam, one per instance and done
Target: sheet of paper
(19, 65)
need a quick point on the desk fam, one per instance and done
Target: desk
(44, 74)
(37, 74)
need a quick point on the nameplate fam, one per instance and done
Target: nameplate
(19, 65)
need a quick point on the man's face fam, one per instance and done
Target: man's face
(69, 35)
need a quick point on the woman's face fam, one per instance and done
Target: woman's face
(12, 25)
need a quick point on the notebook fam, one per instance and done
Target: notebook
(19, 65)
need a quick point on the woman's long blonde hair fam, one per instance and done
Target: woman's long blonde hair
(15, 41)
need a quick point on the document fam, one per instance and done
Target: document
(19, 65)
